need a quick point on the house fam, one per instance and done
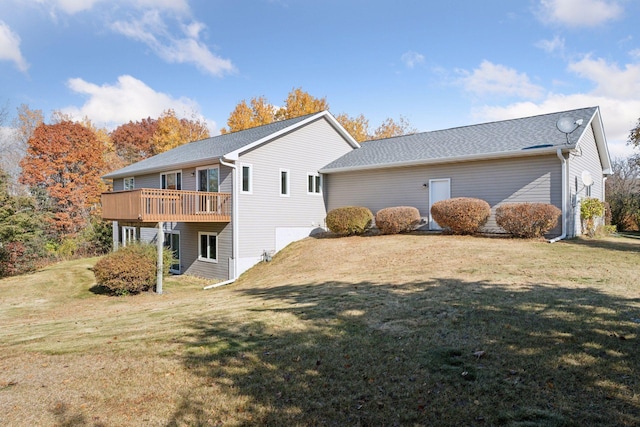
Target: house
(224, 203)
(556, 158)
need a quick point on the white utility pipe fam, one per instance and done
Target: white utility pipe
(564, 197)
(234, 223)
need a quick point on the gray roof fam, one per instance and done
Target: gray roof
(513, 137)
(203, 151)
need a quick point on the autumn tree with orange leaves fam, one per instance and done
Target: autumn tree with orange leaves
(172, 132)
(299, 103)
(64, 162)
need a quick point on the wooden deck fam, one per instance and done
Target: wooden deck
(148, 205)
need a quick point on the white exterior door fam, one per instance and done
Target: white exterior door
(439, 189)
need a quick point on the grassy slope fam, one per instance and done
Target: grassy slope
(354, 331)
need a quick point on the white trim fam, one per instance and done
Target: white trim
(241, 183)
(316, 184)
(133, 183)
(177, 171)
(176, 232)
(207, 167)
(431, 202)
(288, 189)
(128, 231)
(200, 257)
(234, 155)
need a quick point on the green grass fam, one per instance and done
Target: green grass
(356, 331)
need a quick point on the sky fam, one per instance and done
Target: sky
(437, 63)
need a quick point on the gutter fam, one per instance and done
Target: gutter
(564, 197)
(234, 221)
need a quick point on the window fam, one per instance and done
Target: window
(208, 179)
(284, 182)
(314, 183)
(246, 178)
(129, 183)
(171, 181)
(208, 247)
(128, 235)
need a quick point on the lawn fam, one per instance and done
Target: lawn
(368, 331)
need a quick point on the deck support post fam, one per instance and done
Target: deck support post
(115, 233)
(160, 247)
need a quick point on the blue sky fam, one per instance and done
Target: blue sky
(439, 64)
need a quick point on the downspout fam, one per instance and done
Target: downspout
(234, 221)
(564, 197)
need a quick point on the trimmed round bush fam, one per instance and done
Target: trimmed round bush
(349, 220)
(397, 219)
(461, 215)
(131, 269)
(527, 220)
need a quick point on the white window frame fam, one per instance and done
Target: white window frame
(316, 183)
(129, 183)
(250, 168)
(208, 234)
(128, 235)
(198, 169)
(178, 183)
(287, 190)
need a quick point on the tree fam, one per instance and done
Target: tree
(634, 135)
(172, 132)
(22, 231)
(132, 141)
(623, 193)
(358, 127)
(245, 117)
(300, 103)
(390, 128)
(14, 142)
(63, 165)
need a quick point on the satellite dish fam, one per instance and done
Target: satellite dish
(586, 179)
(567, 125)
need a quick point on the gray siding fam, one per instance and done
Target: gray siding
(189, 262)
(303, 151)
(529, 179)
(587, 158)
(189, 247)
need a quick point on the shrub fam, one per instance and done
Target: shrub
(349, 220)
(130, 270)
(397, 219)
(591, 209)
(527, 219)
(461, 215)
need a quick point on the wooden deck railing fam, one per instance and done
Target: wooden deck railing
(153, 205)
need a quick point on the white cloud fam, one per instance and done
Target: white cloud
(614, 90)
(152, 31)
(579, 13)
(10, 47)
(127, 99)
(496, 79)
(610, 80)
(556, 45)
(411, 59)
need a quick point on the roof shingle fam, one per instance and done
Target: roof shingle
(487, 139)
